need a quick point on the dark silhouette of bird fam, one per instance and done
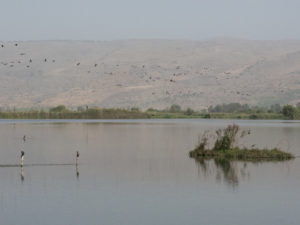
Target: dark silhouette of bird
(2, 46)
(16, 44)
(77, 157)
(96, 65)
(78, 64)
(22, 158)
(45, 60)
(30, 60)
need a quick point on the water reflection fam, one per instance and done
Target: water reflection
(77, 172)
(22, 174)
(223, 169)
(230, 171)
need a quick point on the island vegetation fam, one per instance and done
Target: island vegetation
(224, 111)
(225, 146)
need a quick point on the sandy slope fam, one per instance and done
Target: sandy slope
(149, 73)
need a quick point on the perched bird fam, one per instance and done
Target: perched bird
(16, 44)
(22, 158)
(2, 46)
(77, 157)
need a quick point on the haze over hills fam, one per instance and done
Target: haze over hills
(148, 73)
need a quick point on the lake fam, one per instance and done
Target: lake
(139, 172)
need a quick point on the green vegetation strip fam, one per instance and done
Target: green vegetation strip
(225, 111)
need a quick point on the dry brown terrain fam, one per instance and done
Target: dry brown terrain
(148, 73)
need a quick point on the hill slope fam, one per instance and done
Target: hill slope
(148, 73)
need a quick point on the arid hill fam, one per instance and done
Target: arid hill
(148, 73)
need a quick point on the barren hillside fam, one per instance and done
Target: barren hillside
(148, 73)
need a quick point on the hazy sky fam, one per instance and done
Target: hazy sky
(148, 19)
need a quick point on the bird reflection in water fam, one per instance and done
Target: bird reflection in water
(77, 171)
(22, 174)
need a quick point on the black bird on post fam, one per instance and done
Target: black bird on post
(22, 158)
(77, 157)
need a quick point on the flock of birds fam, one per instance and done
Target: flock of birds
(171, 76)
(30, 60)
(143, 74)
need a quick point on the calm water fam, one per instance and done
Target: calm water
(138, 172)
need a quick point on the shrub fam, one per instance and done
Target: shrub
(189, 112)
(226, 137)
(289, 111)
(59, 108)
(175, 108)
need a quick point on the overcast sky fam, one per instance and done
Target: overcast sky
(148, 19)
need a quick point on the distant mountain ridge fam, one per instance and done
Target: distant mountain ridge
(148, 73)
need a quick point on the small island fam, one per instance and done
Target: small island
(225, 147)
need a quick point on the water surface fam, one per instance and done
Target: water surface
(139, 172)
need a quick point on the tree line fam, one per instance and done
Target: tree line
(231, 110)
